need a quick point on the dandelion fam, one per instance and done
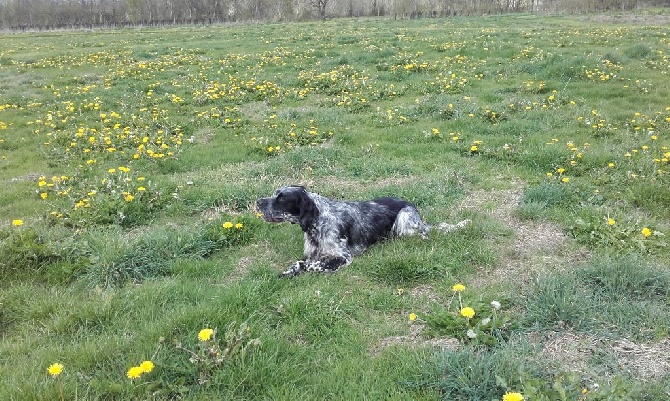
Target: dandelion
(227, 225)
(565, 180)
(468, 312)
(512, 397)
(412, 317)
(473, 148)
(44, 195)
(147, 366)
(646, 232)
(435, 131)
(239, 226)
(205, 334)
(611, 221)
(458, 287)
(55, 369)
(134, 372)
(495, 305)
(17, 222)
(471, 334)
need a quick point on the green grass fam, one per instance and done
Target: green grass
(124, 153)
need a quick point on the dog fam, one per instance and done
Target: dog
(336, 231)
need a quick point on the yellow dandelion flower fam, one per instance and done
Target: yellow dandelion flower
(44, 195)
(458, 287)
(205, 334)
(611, 221)
(473, 148)
(128, 197)
(412, 317)
(512, 397)
(147, 366)
(134, 372)
(468, 312)
(565, 180)
(646, 232)
(227, 225)
(17, 222)
(55, 369)
(239, 226)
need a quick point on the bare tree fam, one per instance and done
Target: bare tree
(320, 7)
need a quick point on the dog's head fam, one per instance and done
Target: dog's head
(291, 203)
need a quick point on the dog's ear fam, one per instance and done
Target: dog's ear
(308, 210)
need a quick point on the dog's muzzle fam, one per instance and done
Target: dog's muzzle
(263, 206)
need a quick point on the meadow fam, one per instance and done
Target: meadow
(133, 264)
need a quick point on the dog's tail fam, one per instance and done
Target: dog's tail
(447, 228)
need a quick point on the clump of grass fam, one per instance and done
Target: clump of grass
(637, 51)
(536, 200)
(117, 259)
(625, 292)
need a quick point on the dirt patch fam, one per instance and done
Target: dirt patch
(646, 20)
(573, 352)
(425, 291)
(537, 245)
(644, 361)
(415, 338)
(255, 111)
(27, 177)
(261, 254)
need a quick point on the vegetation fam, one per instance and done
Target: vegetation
(133, 264)
(48, 15)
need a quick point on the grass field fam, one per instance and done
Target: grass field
(131, 161)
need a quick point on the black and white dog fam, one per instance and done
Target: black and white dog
(337, 231)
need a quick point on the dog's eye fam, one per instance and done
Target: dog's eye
(280, 196)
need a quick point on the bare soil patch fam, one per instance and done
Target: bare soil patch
(643, 361)
(415, 338)
(646, 20)
(537, 245)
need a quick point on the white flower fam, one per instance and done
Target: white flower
(486, 321)
(471, 334)
(495, 305)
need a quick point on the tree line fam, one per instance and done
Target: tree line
(74, 14)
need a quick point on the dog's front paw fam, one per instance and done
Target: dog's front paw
(295, 269)
(447, 228)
